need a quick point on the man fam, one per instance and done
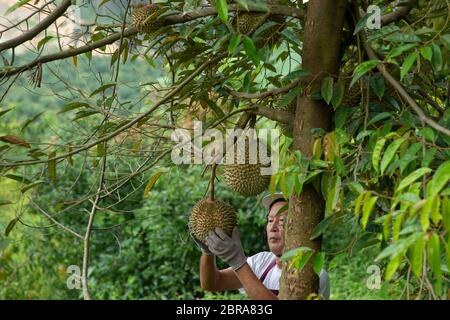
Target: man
(259, 274)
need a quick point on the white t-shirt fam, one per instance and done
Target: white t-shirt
(260, 262)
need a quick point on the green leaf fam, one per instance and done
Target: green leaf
(273, 184)
(243, 3)
(5, 202)
(446, 214)
(409, 155)
(339, 166)
(396, 51)
(429, 155)
(222, 10)
(362, 23)
(362, 69)
(362, 198)
(367, 209)
(376, 155)
(101, 149)
(426, 211)
(290, 96)
(390, 153)
(302, 260)
(333, 195)
(440, 179)
(399, 246)
(291, 37)
(297, 74)
(426, 52)
(74, 105)
(417, 257)
(407, 64)
(31, 185)
(338, 94)
(5, 111)
(28, 122)
(434, 258)
(10, 226)
(327, 89)
(84, 114)
(320, 228)
(103, 3)
(51, 166)
(151, 183)
(251, 51)
(17, 178)
(42, 42)
(378, 117)
(408, 180)
(102, 88)
(234, 43)
(402, 37)
(288, 255)
(392, 267)
(16, 6)
(377, 84)
(319, 261)
(436, 61)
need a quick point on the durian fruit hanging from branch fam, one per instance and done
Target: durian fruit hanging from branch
(209, 214)
(245, 175)
(146, 17)
(246, 22)
(352, 95)
(287, 129)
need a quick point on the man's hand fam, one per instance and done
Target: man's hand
(203, 247)
(228, 249)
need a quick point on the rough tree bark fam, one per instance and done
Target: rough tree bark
(322, 43)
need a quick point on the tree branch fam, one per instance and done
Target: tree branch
(33, 32)
(265, 94)
(400, 11)
(397, 86)
(273, 114)
(84, 277)
(69, 53)
(128, 125)
(211, 11)
(170, 20)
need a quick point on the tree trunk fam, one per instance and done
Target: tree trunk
(322, 43)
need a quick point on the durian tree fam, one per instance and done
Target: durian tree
(359, 88)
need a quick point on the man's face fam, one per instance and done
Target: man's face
(275, 228)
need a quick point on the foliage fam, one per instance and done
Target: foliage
(383, 169)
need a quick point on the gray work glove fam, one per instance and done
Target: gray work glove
(203, 247)
(228, 249)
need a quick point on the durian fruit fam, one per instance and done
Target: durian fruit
(145, 18)
(245, 22)
(209, 214)
(288, 129)
(246, 178)
(352, 96)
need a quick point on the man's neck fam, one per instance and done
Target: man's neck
(278, 262)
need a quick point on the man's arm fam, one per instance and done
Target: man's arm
(252, 285)
(230, 250)
(212, 279)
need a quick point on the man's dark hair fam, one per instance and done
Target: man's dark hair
(275, 201)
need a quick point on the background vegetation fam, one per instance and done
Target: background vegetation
(382, 169)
